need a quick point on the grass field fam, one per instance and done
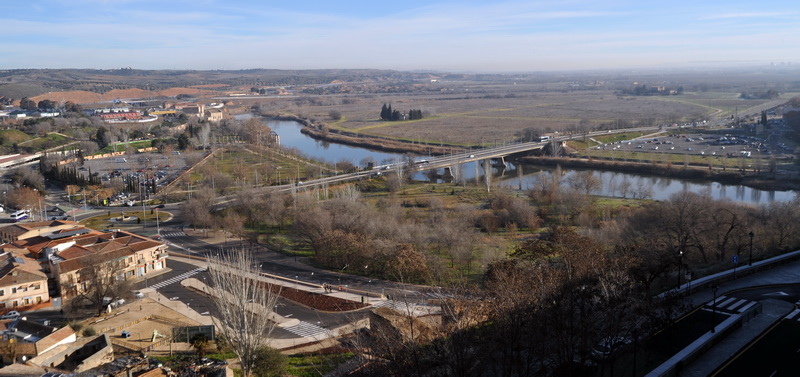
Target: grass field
(495, 112)
(122, 146)
(51, 140)
(12, 136)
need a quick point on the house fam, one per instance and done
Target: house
(196, 109)
(80, 356)
(22, 231)
(23, 340)
(66, 252)
(22, 282)
(121, 254)
(214, 115)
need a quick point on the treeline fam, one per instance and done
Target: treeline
(768, 94)
(388, 114)
(644, 90)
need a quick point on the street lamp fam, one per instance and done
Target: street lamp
(158, 227)
(751, 248)
(680, 262)
(714, 289)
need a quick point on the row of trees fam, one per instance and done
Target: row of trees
(388, 114)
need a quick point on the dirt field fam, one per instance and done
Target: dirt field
(484, 119)
(132, 318)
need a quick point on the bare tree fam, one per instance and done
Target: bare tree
(245, 305)
(103, 280)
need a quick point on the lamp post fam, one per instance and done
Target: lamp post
(714, 289)
(158, 227)
(680, 262)
(750, 263)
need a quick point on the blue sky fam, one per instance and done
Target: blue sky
(465, 35)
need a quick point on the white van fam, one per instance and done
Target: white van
(121, 160)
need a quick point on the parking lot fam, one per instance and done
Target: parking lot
(144, 169)
(704, 144)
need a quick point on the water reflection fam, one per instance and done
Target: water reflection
(524, 177)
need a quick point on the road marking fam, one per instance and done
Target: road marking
(776, 294)
(773, 373)
(176, 279)
(726, 302)
(307, 330)
(740, 302)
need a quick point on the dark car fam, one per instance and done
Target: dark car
(159, 206)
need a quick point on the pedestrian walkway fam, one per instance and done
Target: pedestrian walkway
(308, 330)
(794, 315)
(730, 305)
(783, 270)
(173, 234)
(178, 278)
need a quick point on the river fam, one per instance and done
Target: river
(659, 188)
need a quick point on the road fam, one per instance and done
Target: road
(168, 284)
(774, 354)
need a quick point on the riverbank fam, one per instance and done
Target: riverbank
(780, 181)
(760, 181)
(323, 132)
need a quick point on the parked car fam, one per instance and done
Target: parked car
(10, 315)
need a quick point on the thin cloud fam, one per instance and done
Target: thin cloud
(748, 15)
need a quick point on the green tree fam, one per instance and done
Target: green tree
(100, 137)
(269, 362)
(46, 104)
(183, 141)
(27, 104)
(385, 112)
(199, 342)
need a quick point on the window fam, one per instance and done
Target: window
(2, 292)
(38, 299)
(13, 290)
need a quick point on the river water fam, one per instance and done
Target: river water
(521, 176)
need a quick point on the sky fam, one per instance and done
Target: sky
(452, 36)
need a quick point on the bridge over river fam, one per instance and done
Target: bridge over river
(447, 161)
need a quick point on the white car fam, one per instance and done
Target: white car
(10, 315)
(138, 294)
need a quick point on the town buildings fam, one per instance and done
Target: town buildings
(70, 256)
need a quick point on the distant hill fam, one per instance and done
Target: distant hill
(18, 91)
(93, 85)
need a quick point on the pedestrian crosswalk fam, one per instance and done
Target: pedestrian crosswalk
(794, 315)
(173, 234)
(308, 330)
(731, 305)
(178, 278)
